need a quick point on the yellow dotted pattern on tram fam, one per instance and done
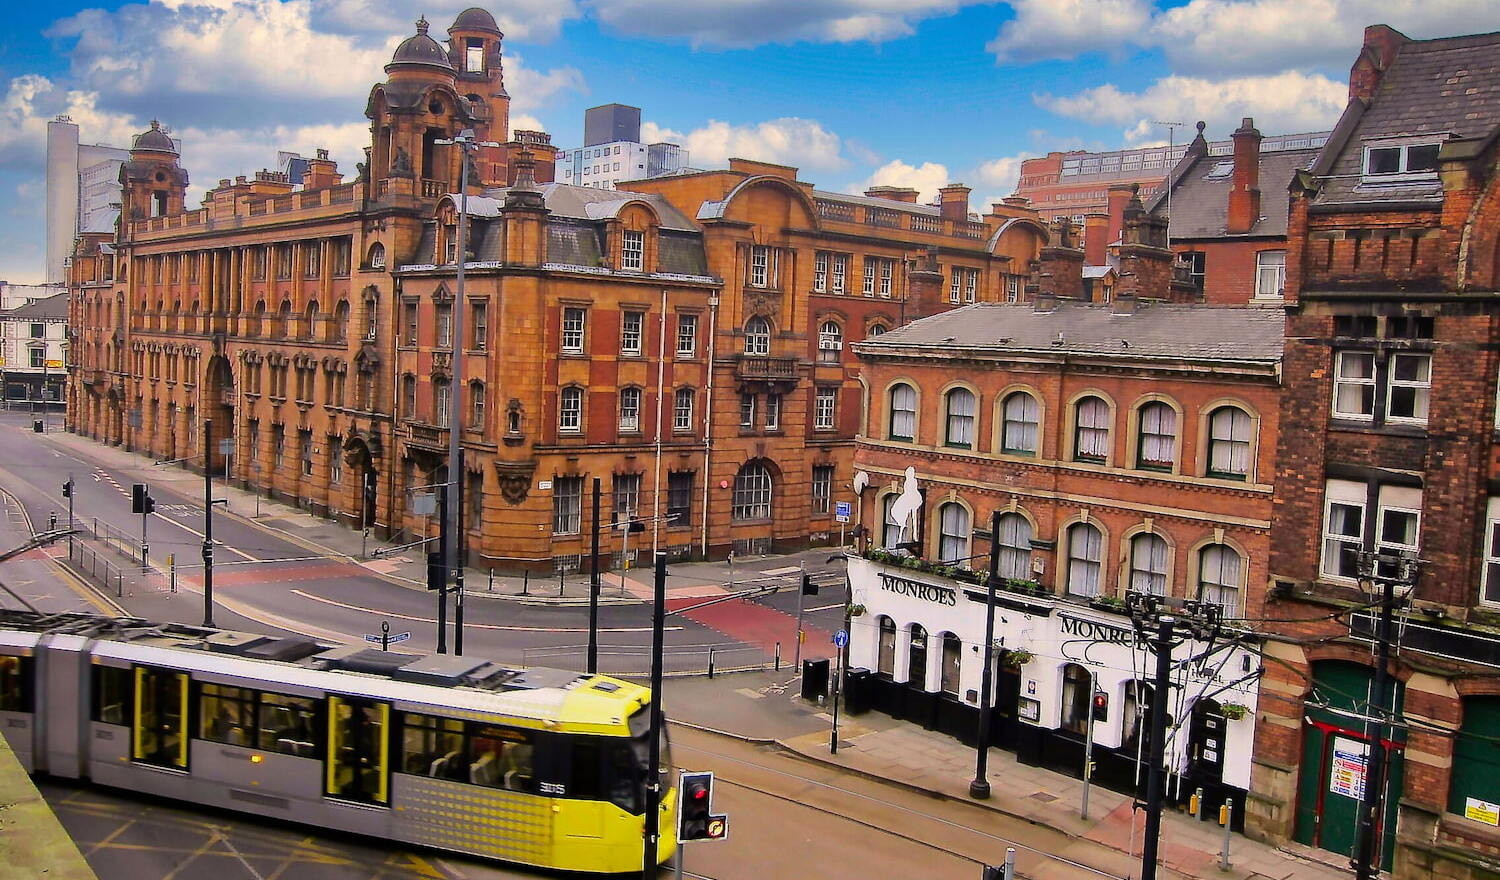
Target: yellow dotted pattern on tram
(447, 814)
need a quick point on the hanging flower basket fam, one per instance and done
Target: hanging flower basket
(1017, 658)
(1234, 711)
(856, 610)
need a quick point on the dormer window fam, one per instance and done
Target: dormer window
(633, 251)
(1395, 161)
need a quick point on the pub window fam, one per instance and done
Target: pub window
(1148, 564)
(1077, 696)
(1085, 556)
(952, 659)
(886, 661)
(1015, 546)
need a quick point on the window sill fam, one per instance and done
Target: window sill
(573, 355)
(1237, 478)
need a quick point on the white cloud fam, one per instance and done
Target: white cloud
(1001, 174)
(31, 101)
(753, 22)
(926, 178)
(803, 143)
(1282, 102)
(1066, 28)
(532, 89)
(530, 20)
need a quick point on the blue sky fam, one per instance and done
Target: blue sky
(854, 92)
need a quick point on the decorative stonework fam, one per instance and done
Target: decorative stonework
(515, 479)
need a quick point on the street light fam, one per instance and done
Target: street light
(466, 143)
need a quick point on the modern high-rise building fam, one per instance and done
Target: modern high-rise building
(83, 181)
(612, 151)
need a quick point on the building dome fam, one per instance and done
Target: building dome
(475, 19)
(154, 140)
(421, 49)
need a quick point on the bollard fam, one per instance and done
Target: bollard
(559, 583)
(778, 656)
(1226, 815)
(172, 568)
(525, 580)
(1195, 805)
(491, 587)
(710, 661)
(1010, 863)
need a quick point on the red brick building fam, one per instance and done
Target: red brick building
(1228, 213)
(1127, 446)
(1388, 430)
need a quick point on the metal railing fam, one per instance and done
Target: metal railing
(93, 561)
(631, 660)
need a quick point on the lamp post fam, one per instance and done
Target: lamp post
(980, 787)
(466, 143)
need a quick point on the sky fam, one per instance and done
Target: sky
(854, 93)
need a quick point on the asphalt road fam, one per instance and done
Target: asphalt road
(265, 581)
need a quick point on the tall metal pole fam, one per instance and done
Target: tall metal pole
(72, 490)
(801, 598)
(208, 523)
(661, 378)
(452, 558)
(1155, 783)
(1368, 852)
(593, 666)
(980, 787)
(458, 573)
(653, 765)
(1088, 747)
(442, 586)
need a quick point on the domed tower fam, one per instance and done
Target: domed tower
(153, 183)
(416, 107)
(474, 50)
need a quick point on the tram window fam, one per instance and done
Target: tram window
(289, 725)
(626, 770)
(226, 714)
(433, 746)
(113, 694)
(15, 684)
(502, 757)
(585, 760)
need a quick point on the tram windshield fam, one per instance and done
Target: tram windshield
(630, 761)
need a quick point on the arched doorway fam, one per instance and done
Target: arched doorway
(218, 404)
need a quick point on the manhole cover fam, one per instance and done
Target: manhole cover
(1043, 796)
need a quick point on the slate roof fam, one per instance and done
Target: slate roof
(876, 202)
(1200, 200)
(1153, 331)
(1448, 88)
(52, 308)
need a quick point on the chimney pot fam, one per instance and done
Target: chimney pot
(953, 201)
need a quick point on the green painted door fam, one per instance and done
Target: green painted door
(1334, 756)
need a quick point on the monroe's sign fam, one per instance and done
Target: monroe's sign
(1094, 630)
(918, 590)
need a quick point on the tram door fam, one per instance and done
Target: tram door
(161, 711)
(359, 748)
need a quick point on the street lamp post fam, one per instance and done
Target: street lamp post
(980, 787)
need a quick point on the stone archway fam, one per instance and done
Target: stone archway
(218, 404)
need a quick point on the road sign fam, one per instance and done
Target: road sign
(842, 511)
(392, 638)
(840, 639)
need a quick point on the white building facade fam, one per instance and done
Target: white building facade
(33, 350)
(83, 182)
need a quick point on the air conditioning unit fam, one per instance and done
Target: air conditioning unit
(831, 344)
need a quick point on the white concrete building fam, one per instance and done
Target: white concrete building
(612, 151)
(83, 181)
(34, 350)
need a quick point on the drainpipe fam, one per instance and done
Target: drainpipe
(708, 410)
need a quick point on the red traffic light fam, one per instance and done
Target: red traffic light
(700, 794)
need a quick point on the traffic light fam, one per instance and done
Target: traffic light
(437, 572)
(140, 499)
(68, 489)
(1101, 706)
(992, 872)
(808, 587)
(696, 820)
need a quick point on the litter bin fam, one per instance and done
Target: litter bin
(814, 679)
(36, 425)
(856, 691)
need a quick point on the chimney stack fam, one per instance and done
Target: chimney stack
(322, 172)
(953, 201)
(1061, 270)
(1095, 238)
(924, 285)
(893, 193)
(1382, 42)
(1119, 195)
(1244, 193)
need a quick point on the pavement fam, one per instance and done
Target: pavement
(32, 841)
(765, 707)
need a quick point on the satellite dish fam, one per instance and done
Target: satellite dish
(861, 481)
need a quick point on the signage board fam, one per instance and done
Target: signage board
(842, 511)
(1482, 811)
(840, 639)
(1346, 773)
(54, 364)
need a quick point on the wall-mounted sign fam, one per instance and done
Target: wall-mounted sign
(1029, 710)
(842, 510)
(1346, 775)
(1482, 811)
(54, 364)
(543, 485)
(918, 590)
(1095, 630)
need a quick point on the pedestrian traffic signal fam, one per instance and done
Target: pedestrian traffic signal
(140, 499)
(808, 587)
(696, 820)
(1101, 706)
(437, 572)
(68, 489)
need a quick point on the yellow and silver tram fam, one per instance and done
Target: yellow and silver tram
(537, 766)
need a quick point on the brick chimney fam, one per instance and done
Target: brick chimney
(1244, 192)
(925, 287)
(953, 201)
(1095, 238)
(1119, 195)
(1145, 261)
(893, 193)
(322, 172)
(1061, 265)
(1382, 42)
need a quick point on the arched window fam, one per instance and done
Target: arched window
(630, 409)
(959, 407)
(257, 318)
(1018, 430)
(890, 530)
(830, 342)
(1229, 443)
(952, 661)
(1219, 577)
(916, 667)
(283, 319)
(310, 327)
(476, 404)
(758, 336)
(1085, 555)
(1135, 714)
(682, 409)
(953, 534)
(570, 410)
(752, 492)
(1077, 698)
(1148, 564)
(440, 402)
(1157, 444)
(377, 256)
(408, 396)
(877, 330)
(1015, 546)
(341, 321)
(886, 658)
(903, 412)
(1476, 755)
(1091, 430)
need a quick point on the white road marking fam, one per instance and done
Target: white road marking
(179, 525)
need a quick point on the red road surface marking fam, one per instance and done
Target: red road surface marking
(757, 624)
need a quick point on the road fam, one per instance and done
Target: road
(267, 579)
